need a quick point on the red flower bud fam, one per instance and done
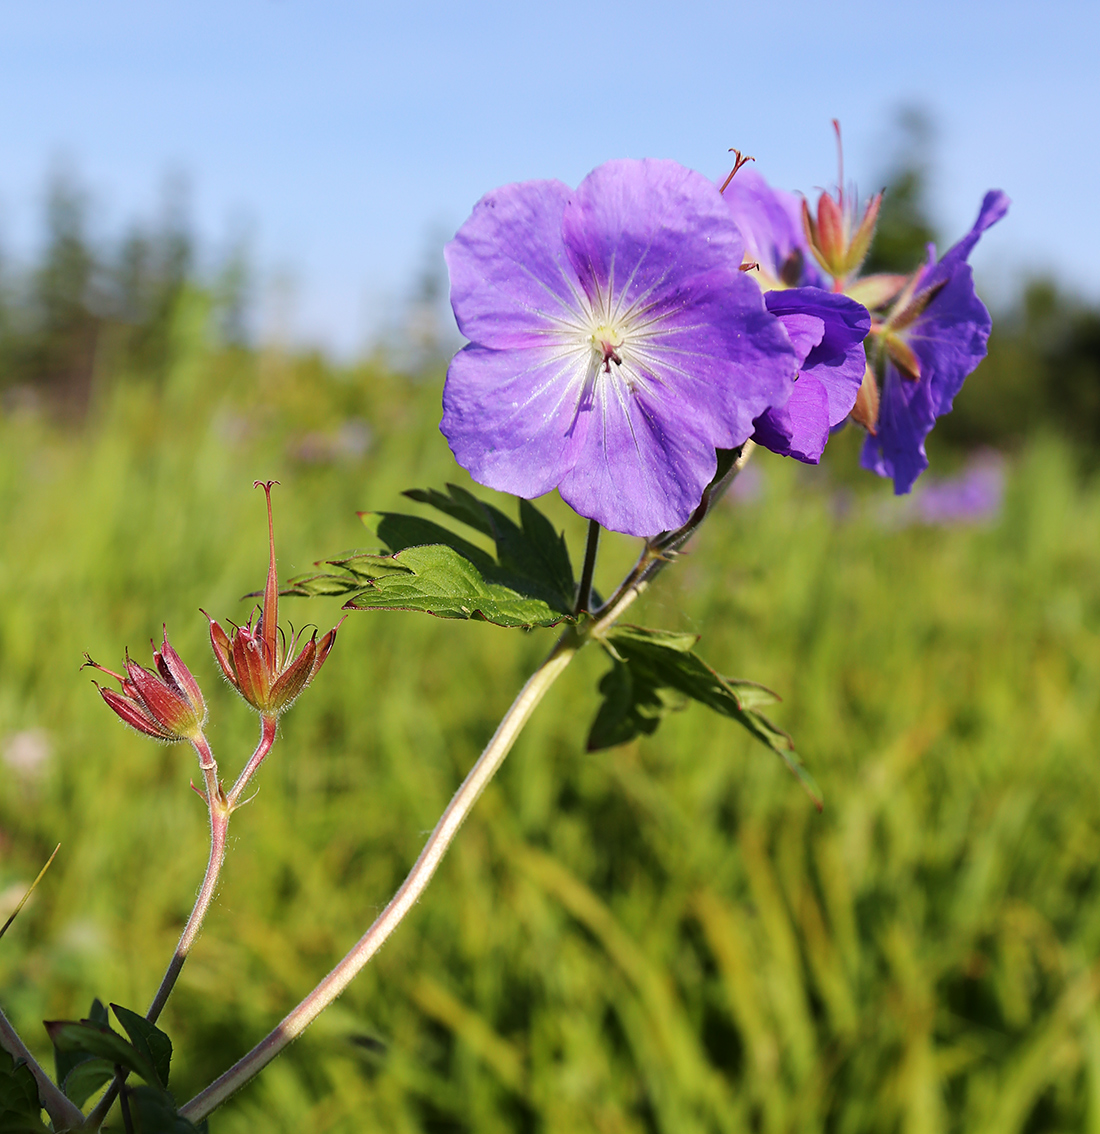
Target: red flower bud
(260, 661)
(167, 704)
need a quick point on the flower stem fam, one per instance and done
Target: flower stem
(220, 809)
(267, 739)
(64, 1114)
(406, 897)
(584, 590)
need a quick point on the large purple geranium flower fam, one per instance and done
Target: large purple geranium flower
(614, 345)
(826, 329)
(935, 336)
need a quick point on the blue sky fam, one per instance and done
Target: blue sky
(350, 138)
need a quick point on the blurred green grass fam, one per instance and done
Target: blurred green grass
(662, 937)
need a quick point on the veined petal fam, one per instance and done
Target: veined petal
(799, 429)
(641, 470)
(837, 359)
(637, 231)
(661, 352)
(513, 417)
(905, 418)
(511, 282)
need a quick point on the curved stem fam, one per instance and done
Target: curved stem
(411, 889)
(64, 1114)
(268, 727)
(220, 809)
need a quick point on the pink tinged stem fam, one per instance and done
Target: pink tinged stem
(268, 727)
(219, 826)
(64, 1114)
(221, 807)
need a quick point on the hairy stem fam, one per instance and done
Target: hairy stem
(64, 1114)
(267, 739)
(220, 809)
(405, 898)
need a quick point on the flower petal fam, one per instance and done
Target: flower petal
(511, 282)
(837, 359)
(800, 429)
(510, 416)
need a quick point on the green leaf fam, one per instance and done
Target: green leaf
(633, 705)
(86, 1078)
(427, 567)
(532, 549)
(654, 670)
(437, 580)
(65, 1061)
(153, 1111)
(147, 1039)
(20, 1110)
(92, 1038)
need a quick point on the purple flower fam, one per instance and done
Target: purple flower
(826, 329)
(933, 338)
(615, 345)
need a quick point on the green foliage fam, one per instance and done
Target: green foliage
(154, 1047)
(431, 569)
(663, 936)
(655, 671)
(20, 1112)
(154, 1112)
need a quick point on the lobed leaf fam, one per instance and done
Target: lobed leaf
(425, 566)
(655, 671)
(439, 581)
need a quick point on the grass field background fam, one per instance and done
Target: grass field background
(661, 937)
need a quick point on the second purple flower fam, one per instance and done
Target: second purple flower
(614, 345)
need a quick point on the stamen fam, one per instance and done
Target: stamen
(738, 162)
